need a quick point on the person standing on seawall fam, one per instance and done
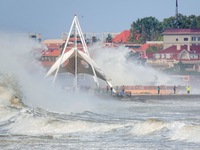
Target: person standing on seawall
(188, 88)
(111, 90)
(158, 89)
(174, 89)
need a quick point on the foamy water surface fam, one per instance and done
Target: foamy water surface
(115, 124)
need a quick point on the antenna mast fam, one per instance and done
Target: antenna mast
(177, 26)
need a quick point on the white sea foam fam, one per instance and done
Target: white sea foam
(8, 100)
(175, 130)
(147, 127)
(5, 97)
(6, 113)
(184, 132)
(29, 124)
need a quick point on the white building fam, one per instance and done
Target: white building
(181, 37)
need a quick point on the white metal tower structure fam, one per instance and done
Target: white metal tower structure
(74, 56)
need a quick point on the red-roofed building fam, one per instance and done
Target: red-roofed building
(142, 48)
(180, 45)
(54, 50)
(123, 37)
(189, 55)
(179, 53)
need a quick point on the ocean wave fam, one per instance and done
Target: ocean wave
(184, 132)
(28, 124)
(174, 130)
(147, 127)
(16, 118)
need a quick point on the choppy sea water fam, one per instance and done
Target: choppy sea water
(49, 118)
(115, 124)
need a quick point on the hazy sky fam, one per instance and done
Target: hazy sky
(52, 17)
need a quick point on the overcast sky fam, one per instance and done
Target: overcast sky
(52, 17)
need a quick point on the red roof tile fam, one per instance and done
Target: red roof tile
(47, 63)
(122, 37)
(143, 47)
(149, 55)
(175, 53)
(173, 49)
(195, 49)
(72, 39)
(53, 53)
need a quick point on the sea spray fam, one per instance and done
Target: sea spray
(19, 60)
(112, 60)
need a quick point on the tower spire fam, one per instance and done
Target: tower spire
(176, 17)
(176, 8)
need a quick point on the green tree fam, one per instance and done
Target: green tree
(169, 23)
(182, 21)
(134, 33)
(154, 48)
(149, 29)
(198, 21)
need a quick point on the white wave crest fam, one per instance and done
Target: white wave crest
(183, 132)
(147, 127)
(29, 124)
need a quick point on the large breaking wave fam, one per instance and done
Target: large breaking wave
(29, 105)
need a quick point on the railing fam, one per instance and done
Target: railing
(138, 89)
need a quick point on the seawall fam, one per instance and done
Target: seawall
(160, 97)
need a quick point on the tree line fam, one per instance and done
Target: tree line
(151, 29)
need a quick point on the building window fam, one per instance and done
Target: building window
(185, 39)
(162, 55)
(193, 38)
(193, 56)
(157, 56)
(198, 38)
(176, 39)
(167, 55)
